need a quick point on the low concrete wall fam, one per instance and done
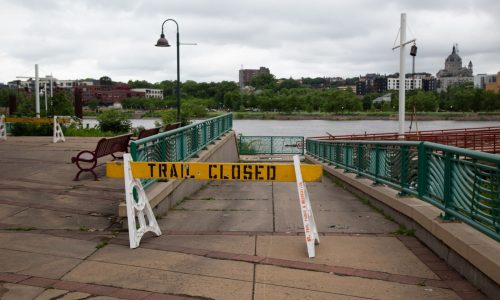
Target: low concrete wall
(473, 254)
(164, 195)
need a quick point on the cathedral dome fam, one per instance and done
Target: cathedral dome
(453, 66)
(453, 58)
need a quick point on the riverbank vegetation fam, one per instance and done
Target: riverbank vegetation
(268, 97)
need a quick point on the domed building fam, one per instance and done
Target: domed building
(453, 72)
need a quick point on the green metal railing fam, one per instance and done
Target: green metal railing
(180, 144)
(252, 145)
(465, 184)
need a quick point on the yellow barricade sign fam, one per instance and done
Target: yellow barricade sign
(215, 171)
(36, 120)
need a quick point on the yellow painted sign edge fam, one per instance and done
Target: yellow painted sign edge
(35, 120)
(215, 171)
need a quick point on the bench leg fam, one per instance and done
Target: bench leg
(77, 177)
(95, 175)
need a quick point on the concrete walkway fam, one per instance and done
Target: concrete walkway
(61, 239)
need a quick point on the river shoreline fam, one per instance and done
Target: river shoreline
(465, 117)
(344, 117)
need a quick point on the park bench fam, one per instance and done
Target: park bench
(171, 126)
(86, 160)
(148, 132)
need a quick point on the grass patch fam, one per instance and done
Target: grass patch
(402, 230)
(101, 244)
(84, 228)
(21, 228)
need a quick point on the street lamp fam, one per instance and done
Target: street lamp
(162, 42)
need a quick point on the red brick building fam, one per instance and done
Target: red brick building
(108, 94)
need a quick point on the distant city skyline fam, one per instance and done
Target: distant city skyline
(89, 38)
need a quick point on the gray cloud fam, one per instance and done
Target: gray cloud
(91, 38)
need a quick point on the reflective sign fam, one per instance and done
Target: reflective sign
(215, 171)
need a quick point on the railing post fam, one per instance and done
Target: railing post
(240, 136)
(447, 188)
(377, 165)
(205, 134)
(271, 145)
(338, 155)
(182, 150)
(422, 170)
(404, 170)
(360, 160)
(330, 153)
(133, 151)
(163, 147)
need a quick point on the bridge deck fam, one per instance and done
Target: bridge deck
(229, 240)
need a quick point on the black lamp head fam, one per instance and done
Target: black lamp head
(162, 41)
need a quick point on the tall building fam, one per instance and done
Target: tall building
(108, 94)
(246, 75)
(371, 83)
(481, 80)
(150, 93)
(453, 72)
(494, 86)
(410, 83)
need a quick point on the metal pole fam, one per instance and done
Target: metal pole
(178, 80)
(45, 92)
(51, 86)
(37, 92)
(402, 77)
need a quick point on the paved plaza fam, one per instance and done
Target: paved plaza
(61, 239)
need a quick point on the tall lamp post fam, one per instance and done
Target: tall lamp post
(162, 42)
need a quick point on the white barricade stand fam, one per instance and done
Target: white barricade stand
(58, 133)
(311, 232)
(3, 128)
(137, 207)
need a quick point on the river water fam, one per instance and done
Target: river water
(310, 128)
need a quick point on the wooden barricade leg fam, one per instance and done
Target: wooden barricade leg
(139, 213)
(3, 128)
(58, 133)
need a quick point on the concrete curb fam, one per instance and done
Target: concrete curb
(473, 254)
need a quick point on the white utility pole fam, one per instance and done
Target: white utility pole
(402, 76)
(37, 92)
(45, 94)
(45, 80)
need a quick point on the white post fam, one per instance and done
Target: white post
(402, 77)
(45, 92)
(310, 230)
(37, 92)
(3, 128)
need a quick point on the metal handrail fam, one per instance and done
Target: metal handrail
(255, 145)
(463, 183)
(182, 143)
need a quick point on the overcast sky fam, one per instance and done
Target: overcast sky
(91, 38)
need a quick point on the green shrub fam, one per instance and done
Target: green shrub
(32, 129)
(115, 121)
(73, 130)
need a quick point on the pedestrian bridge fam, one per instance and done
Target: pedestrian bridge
(444, 193)
(396, 220)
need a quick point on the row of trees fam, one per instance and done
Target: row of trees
(286, 95)
(60, 104)
(319, 94)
